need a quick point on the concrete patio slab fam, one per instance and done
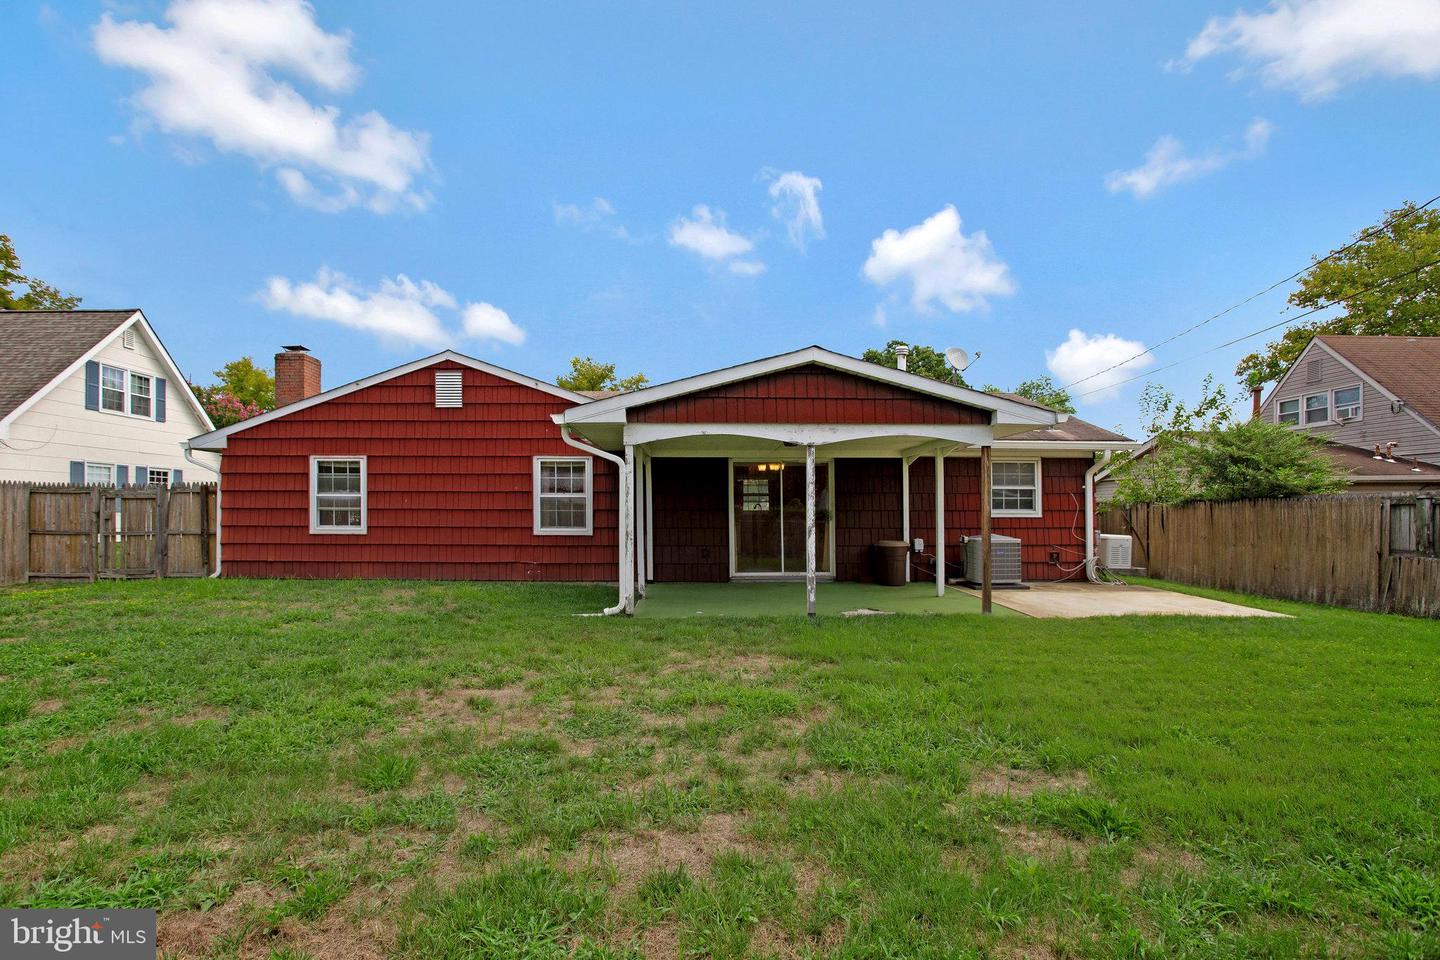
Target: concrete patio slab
(741, 599)
(1073, 600)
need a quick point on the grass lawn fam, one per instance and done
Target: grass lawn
(351, 770)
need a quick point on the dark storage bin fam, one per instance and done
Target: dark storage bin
(889, 558)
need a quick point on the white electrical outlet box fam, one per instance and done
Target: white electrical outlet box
(919, 545)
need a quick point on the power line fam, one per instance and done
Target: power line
(1365, 235)
(1255, 333)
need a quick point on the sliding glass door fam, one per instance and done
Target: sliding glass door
(769, 508)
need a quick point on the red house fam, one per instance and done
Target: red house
(793, 466)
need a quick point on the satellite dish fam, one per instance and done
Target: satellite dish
(957, 358)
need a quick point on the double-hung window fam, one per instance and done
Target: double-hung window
(141, 390)
(1317, 408)
(1347, 403)
(563, 494)
(100, 474)
(112, 389)
(337, 495)
(1015, 488)
(1288, 411)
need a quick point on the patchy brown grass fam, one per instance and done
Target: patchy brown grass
(1013, 782)
(1040, 843)
(630, 857)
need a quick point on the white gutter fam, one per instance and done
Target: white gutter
(1095, 468)
(185, 449)
(624, 494)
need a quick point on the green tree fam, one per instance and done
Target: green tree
(1041, 390)
(1201, 452)
(38, 295)
(1406, 239)
(244, 390)
(587, 373)
(924, 361)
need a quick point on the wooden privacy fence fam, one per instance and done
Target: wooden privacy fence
(51, 532)
(1365, 552)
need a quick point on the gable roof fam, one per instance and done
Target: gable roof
(1407, 368)
(612, 409)
(31, 365)
(36, 346)
(217, 439)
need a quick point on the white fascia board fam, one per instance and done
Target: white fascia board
(612, 410)
(217, 439)
(804, 433)
(136, 319)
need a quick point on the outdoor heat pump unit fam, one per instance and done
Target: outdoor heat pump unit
(1004, 559)
(1115, 551)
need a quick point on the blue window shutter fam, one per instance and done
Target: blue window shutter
(160, 399)
(77, 471)
(92, 389)
(142, 476)
(177, 476)
(122, 475)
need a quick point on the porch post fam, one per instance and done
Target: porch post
(627, 530)
(905, 510)
(642, 528)
(810, 529)
(985, 529)
(939, 523)
(649, 573)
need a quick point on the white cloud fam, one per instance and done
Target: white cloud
(398, 311)
(216, 73)
(1314, 47)
(1085, 355)
(598, 214)
(879, 318)
(941, 262)
(1167, 163)
(484, 321)
(797, 205)
(705, 233)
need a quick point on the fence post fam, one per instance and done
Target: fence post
(162, 532)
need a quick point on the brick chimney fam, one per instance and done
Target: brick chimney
(1254, 403)
(297, 375)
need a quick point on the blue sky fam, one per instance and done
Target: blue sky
(678, 188)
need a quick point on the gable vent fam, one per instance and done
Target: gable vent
(1315, 371)
(127, 339)
(448, 388)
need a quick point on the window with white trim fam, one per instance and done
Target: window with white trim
(1317, 408)
(1288, 411)
(337, 495)
(157, 477)
(141, 391)
(102, 474)
(1347, 403)
(1015, 488)
(563, 492)
(112, 389)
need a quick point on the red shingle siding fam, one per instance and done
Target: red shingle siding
(1060, 528)
(449, 490)
(810, 394)
(867, 509)
(692, 519)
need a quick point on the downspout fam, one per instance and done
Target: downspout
(185, 449)
(620, 466)
(1095, 468)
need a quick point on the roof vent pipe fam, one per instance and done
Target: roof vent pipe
(902, 357)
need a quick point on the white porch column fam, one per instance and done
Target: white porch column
(627, 530)
(642, 527)
(939, 523)
(905, 510)
(649, 572)
(810, 529)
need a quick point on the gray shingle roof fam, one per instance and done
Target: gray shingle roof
(1408, 367)
(37, 345)
(1072, 429)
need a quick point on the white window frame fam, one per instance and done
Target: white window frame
(131, 395)
(537, 496)
(1305, 420)
(150, 475)
(1359, 403)
(315, 526)
(1039, 508)
(109, 482)
(1299, 403)
(126, 392)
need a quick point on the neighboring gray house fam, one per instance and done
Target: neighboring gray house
(91, 396)
(1365, 392)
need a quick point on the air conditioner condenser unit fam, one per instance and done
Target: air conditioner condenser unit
(1116, 551)
(1004, 559)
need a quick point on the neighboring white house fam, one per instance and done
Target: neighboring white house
(92, 396)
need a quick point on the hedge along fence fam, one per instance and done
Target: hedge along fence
(1364, 552)
(52, 532)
